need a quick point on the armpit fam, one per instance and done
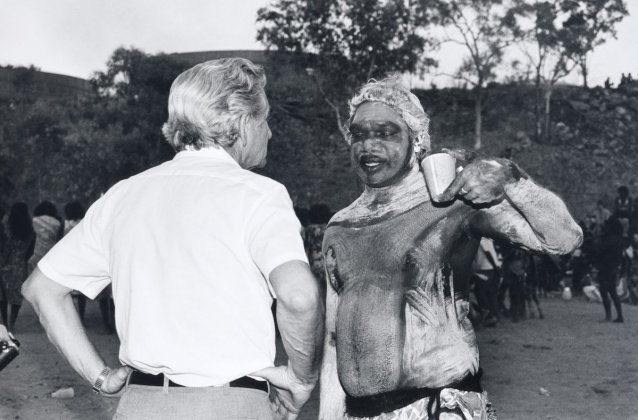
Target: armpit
(332, 270)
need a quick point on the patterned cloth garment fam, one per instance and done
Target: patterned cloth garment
(454, 405)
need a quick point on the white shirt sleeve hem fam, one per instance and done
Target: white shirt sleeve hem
(89, 290)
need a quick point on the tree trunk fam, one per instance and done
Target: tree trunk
(584, 71)
(478, 107)
(537, 108)
(548, 125)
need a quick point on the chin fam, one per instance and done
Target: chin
(373, 183)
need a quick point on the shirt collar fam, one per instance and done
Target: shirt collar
(213, 153)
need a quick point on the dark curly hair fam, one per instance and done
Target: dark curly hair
(74, 210)
(19, 221)
(46, 208)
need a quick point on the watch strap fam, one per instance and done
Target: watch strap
(97, 385)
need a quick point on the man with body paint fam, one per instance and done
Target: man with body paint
(399, 344)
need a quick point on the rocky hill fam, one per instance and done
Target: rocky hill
(592, 151)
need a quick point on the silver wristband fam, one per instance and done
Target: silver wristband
(97, 386)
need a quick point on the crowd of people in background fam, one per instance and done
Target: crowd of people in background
(507, 281)
(24, 240)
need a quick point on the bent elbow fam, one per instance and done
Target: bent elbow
(32, 287)
(302, 302)
(569, 240)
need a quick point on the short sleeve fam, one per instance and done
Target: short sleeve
(80, 259)
(274, 233)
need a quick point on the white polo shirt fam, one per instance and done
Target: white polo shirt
(188, 247)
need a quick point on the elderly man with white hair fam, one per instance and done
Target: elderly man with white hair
(399, 344)
(195, 249)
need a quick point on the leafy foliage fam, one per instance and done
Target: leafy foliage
(134, 91)
(546, 49)
(590, 23)
(485, 28)
(63, 148)
(344, 43)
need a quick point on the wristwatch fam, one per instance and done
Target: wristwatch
(97, 386)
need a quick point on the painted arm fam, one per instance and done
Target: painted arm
(332, 398)
(300, 321)
(53, 304)
(514, 208)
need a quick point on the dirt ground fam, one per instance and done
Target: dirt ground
(589, 369)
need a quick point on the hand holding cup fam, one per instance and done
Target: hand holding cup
(481, 181)
(439, 170)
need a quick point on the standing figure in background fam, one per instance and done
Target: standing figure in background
(516, 262)
(624, 208)
(602, 214)
(18, 250)
(48, 231)
(532, 286)
(73, 213)
(607, 253)
(579, 264)
(486, 277)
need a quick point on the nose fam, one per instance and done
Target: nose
(370, 144)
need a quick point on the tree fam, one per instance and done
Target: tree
(546, 48)
(135, 90)
(590, 24)
(63, 147)
(344, 43)
(486, 28)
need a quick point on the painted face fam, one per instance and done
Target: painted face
(257, 144)
(381, 148)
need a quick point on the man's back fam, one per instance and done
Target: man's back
(185, 245)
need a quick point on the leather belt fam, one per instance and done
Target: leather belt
(141, 378)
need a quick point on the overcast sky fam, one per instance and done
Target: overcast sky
(76, 37)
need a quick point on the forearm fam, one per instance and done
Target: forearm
(62, 325)
(531, 217)
(301, 328)
(554, 229)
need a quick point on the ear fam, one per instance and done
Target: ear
(243, 131)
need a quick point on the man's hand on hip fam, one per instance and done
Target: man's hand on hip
(290, 393)
(115, 380)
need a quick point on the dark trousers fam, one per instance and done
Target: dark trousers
(517, 296)
(486, 292)
(607, 277)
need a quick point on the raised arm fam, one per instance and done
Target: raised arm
(332, 398)
(514, 208)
